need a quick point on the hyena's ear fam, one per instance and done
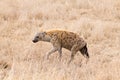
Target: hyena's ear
(43, 33)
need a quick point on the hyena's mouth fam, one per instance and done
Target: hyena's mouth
(34, 41)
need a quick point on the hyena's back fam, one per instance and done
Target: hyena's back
(67, 39)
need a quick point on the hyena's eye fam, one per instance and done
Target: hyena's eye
(37, 36)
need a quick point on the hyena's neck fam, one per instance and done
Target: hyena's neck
(47, 38)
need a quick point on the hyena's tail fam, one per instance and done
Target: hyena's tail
(84, 51)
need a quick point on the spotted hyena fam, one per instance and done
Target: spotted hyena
(63, 39)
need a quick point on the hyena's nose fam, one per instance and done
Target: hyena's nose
(34, 41)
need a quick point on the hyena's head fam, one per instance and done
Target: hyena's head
(39, 37)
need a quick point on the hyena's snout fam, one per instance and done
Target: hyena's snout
(34, 40)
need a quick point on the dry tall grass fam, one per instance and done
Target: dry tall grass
(97, 21)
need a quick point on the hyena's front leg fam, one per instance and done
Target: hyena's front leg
(51, 51)
(54, 49)
(56, 46)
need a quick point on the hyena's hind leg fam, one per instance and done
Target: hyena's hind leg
(60, 52)
(73, 52)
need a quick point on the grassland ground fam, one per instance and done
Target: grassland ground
(97, 21)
